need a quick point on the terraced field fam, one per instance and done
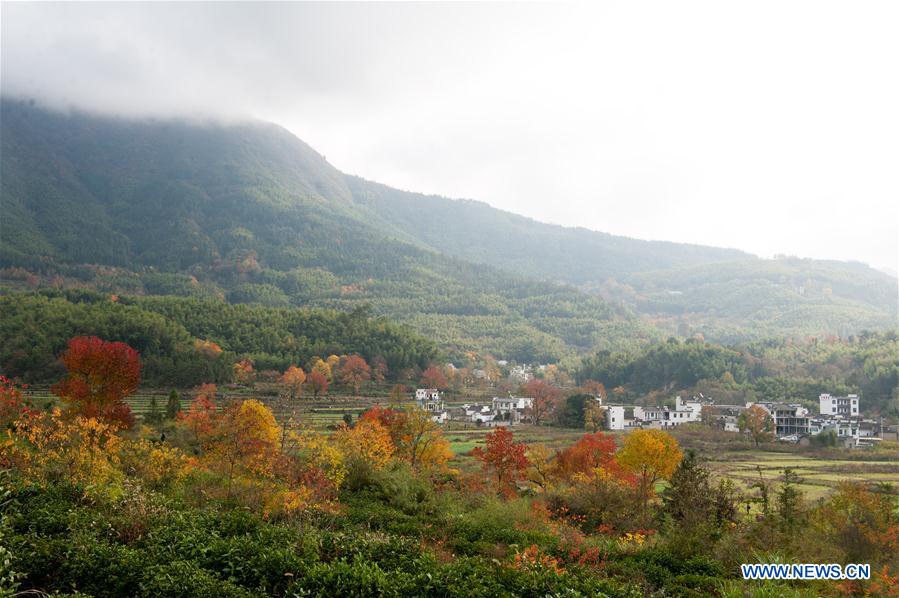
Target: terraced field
(818, 476)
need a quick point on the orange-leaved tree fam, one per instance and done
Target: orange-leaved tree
(207, 349)
(422, 442)
(757, 422)
(433, 377)
(393, 419)
(293, 379)
(200, 415)
(651, 455)
(354, 371)
(504, 458)
(100, 374)
(590, 455)
(318, 382)
(244, 373)
(545, 396)
(417, 437)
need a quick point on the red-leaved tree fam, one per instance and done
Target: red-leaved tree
(200, 415)
(545, 396)
(504, 458)
(590, 453)
(11, 401)
(317, 382)
(354, 371)
(433, 377)
(100, 375)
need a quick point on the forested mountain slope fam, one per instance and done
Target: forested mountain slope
(725, 294)
(248, 213)
(475, 231)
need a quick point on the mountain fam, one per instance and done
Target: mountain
(725, 294)
(250, 214)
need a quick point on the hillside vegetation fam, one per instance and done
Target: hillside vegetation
(725, 294)
(174, 333)
(248, 213)
(867, 365)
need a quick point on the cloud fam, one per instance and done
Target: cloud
(767, 126)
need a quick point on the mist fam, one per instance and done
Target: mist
(768, 127)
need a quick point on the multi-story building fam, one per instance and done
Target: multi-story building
(619, 417)
(512, 409)
(845, 406)
(790, 420)
(430, 400)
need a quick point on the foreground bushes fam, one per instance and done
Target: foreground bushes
(61, 542)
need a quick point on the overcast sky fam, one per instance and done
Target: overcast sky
(772, 127)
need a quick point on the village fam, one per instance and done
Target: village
(789, 422)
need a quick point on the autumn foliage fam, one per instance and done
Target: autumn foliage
(318, 382)
(100, 375)
(433, 377)
(650, 455)
(503, 458)
(592, 452)
(367, 442)
(293, 379)
(354, 371)
(546, 397)
(11, 401)
(416, 437)
(199, 415)
(230, 491)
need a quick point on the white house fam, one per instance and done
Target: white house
(484, 415)
(616, 417)
(427, 394)
(430, 400)
(845, 406)
(511, 409)
(521, 374)
(695, 407)
(664, 417)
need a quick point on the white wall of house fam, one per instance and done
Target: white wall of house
(427, 394)
(615, 417)
(830, 405)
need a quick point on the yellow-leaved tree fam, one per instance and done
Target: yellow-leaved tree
(421, 440)
(367, 442)
(651, 455)
(47, 448)
(322, 367)
(541, 466)
(245, 438)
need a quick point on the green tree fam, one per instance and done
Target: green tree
(154, 415)
(790, 512)
(173, 405)
(695, 510)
